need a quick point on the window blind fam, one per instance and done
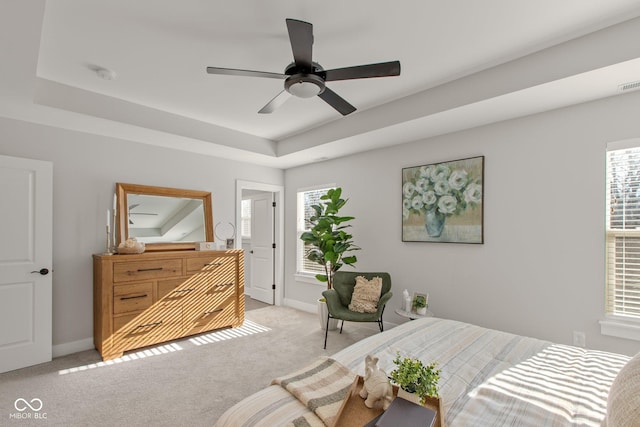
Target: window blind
(305, 200)
(245, 216)
(623, 232)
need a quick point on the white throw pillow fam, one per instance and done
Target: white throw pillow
(366, 295)
(623, 404)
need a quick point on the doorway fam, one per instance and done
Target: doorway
(259, 212)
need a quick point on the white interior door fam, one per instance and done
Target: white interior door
(25, 262)
(262, 250)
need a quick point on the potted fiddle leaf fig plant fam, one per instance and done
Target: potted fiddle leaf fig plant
(329, 243)
(412, 376)
(328, 239)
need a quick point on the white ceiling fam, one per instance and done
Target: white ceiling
(464, 63)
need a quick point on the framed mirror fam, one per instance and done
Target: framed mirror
(164, 218)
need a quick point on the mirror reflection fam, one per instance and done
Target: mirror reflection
(164, 218)
(156, 219)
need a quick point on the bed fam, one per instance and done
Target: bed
(488, 378)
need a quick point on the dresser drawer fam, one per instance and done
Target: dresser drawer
(146, 270)
(173, 288)
(162, 323)
(211, 263)
(132, 297)
(211, 314)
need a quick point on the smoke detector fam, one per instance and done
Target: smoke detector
(105, 73)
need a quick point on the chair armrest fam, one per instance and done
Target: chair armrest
(333, 300)
(383, 301)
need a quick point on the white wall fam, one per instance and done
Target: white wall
(541, 269)
(85, 170)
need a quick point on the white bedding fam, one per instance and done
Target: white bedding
(488, 378)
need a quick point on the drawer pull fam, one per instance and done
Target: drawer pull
(133, 297)
(214, 264)
(225, 284)
(217, 310)
(149, 325)
(184, 290)
(150, 269)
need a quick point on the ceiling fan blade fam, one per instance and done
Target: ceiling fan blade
(276, 102)
(382, 69)
(245, 73)
(301, 38)
(337, 102)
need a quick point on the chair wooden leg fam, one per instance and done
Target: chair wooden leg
(380, 323)
(326, 332)
(341, 325)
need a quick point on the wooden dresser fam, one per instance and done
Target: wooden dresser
(149, 298)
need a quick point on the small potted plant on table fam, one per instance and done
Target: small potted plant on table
(412, 376)
(420, 304)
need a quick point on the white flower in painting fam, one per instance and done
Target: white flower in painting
(425, 171)
(473, 193)
(429, 198)
(458, 179)
(447, 204)
(416, 203)
(445, 187)
(441, 187)
(408, 189)
(440, 172)
(422, 185)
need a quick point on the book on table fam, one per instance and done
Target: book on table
(402, 413)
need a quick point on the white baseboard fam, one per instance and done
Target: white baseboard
(72, 347)
(302, 306)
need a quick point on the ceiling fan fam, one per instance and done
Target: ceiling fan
(304, 78)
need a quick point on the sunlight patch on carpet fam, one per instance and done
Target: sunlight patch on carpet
(248, 328)
(142, 354)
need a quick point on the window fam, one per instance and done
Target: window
(306, 198)
(245, 218)
(623, 232)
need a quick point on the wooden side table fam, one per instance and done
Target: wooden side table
(412, 315)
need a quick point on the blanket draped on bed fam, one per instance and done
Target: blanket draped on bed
(321, 386)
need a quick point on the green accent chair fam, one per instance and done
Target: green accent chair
(339, 298)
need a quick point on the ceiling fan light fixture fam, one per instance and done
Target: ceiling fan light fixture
(304, 85)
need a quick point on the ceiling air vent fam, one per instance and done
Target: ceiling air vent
(629, 86)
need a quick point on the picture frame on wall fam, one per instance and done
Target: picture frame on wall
(444, 202)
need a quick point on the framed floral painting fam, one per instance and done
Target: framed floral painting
(443, 202)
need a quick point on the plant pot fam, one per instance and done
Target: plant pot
(322, 315)
(411, 397)
(421, 311)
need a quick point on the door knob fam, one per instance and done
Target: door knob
(43, 271)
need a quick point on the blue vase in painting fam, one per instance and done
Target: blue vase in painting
(434, 222)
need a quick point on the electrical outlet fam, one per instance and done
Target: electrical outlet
(579, 339)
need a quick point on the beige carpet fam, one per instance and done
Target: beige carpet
(186, 382)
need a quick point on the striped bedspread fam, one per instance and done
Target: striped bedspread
(488, 378)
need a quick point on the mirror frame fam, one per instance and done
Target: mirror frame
(123, 191)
